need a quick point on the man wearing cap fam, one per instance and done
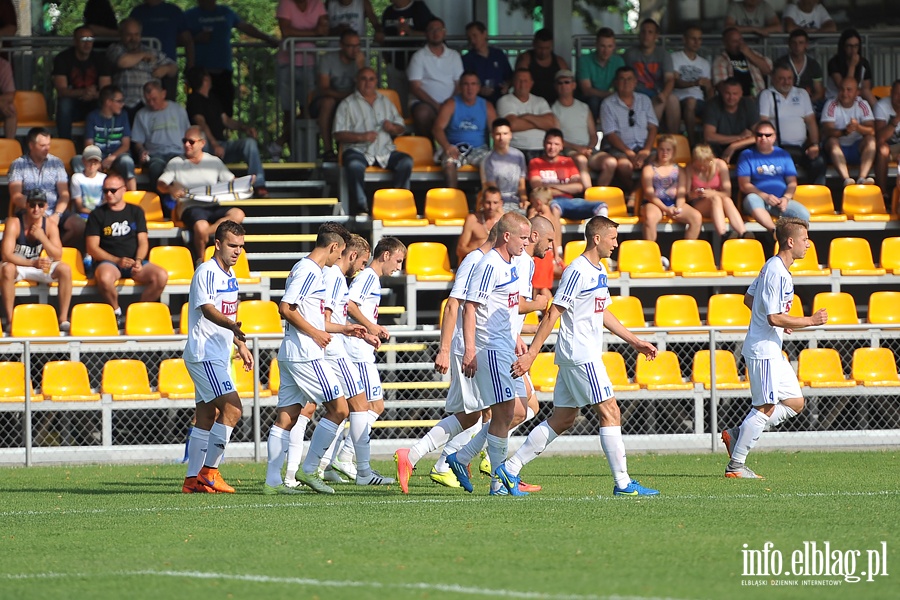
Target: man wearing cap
(25, 235)
(87, 186)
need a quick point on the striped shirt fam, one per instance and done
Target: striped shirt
(207, 341)
(584, 293)
(365, 291)
(494, 286)
(305, 290)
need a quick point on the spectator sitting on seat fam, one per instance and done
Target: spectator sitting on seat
(767, 178)
(194, 169)
(107, 128)
(87, 185)
(505, 168)
(78, 76)
(665, 190)
(7, 100)
(26, 234)
(116, 239)
(38, 169)
(887, 136)
(207, 113)
(728, 124)
(366, 123)
(434, 73)
(165, 21)
(157, 131)
(490, 63)
(461, 128)
(543, 64)
(529, 115)
(710, 193)
(849, 62)
(335, 81)
(693, 86)
(807, 71)
(652, 66)
(740, 62)
(848, 130)
(351, 15)
(479, 223)
(597, 70)
(756, 17)
(809, 16)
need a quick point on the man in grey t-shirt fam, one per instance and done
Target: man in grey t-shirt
(505, 168)
(158, 129)
(336, 79)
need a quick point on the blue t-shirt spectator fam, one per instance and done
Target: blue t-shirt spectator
(107, 133)
(214, 54)
(767, 171)
(493, 70)
(163, 22)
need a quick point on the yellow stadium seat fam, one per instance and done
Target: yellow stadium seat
(694, 258)
(428, 261)
(93, 319)
(796, 309)
(682, 149)
(393, 96)
(881, 91)
(890, 255)
(884, 308)
(64, 150)
(396, 207)
(662, 373)
(875, 367)
(821, 367)
(183, 324)
(12, 383)
(573, 250)
(852, 256)
(274, 377)
(176, 261)
(543, 372)
(421, 149)
(175, 382)
(618, 376)
(808, 266)
(10, 150)
(243, 381)
(152, 206)
(865, 203)
(241, 268)
(126, 379)
(840, 306)
(615, 200)
(818, 201)
(446, 206)
(676, 310)
(34, 320)
(641, 259)
(148, 318)
(743, 258)
(73, 258)
(67, 381)
(727, 310)
(628, 310)
(31, 109)
(259, 316)
(726, 371)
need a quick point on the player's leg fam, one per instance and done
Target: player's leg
(277, 446)
(297, 442)
(205, 416)
(763, 374)
(361, 420)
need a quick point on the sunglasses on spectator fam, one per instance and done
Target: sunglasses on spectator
(86, 38)
(38, 204)
(765, 135)
(112, 190)
(189, 141)
(631, 118)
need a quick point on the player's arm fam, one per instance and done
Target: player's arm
(787, 321)
(373, 328)
(611, 322)
(469, 361)
(348, 329)
(448, 325)
(290, 314)
(521, 366)
(748, 300)
(215, 316)
(539, 302)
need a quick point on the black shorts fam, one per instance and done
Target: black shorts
(211, 214)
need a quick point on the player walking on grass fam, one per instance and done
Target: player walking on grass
(212, 307)
(774, 388)
(580, 304)
(362, 308)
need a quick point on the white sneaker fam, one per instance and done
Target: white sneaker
(347, 469)
(373, 478)
(665, 262)
(332, 476)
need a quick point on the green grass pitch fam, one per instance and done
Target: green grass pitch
(126, 532)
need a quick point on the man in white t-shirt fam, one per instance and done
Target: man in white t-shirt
(756, 17)
(887, 136)
(774, 388)
(808, 15)
(693, 83)
(848, 130)
(212, 308)
(434, 73)
(529, 116)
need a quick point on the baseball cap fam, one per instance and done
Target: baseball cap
(92, 152)
(564, 73)
(34, 196)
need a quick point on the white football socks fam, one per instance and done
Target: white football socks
(781, 414)
(323, 436)
(437, 436)
(277, 446)
(752, 427)
(295, 448)
(359, 435)
(467, 453)
(453, 446)
(197, 451)
(497, 449)
(219, 435)
(614, 448)
(536, 442)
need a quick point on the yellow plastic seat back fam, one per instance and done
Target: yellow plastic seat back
(127, 379)
(726, 371)
(243, 381)
(429, 261)
(743, 258)
(67, 381)
(641, 259)
(10, 150)
(618, 376)
(34, 320)
(543, 372)
(890, 255)
(395, 205)
(884, 308)
(446, 206)
(175, 382)
(615, 201)
(841, 307)
(676, 310)
(727, 310)
(176, 261)
(821, 367)
(694, 258)
(12, 383)
(875, 367)
(148, 318)
(93, 319)
(64, 150)
(853, 256)
(573, 250)
(818, 201)
(808, 266)
(662, 373)
(259, 316)
(628, 310)
(865, 203)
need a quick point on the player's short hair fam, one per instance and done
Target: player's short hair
(388, 244)
(597, 225)
(501, 122)
(605, 32)
(491, 189)
(787, 227)
(492, 234)
(542, 193)
(330, 233)
(511, 222)
(34, 132)
(554, 132)
(231, 227)
(357, 244)
(541, 223)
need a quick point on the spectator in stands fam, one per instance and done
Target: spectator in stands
(25, 235)
(767, 178)
(100, 16)
(210, 26)
(335, 81)
(490, 63)
(665, 193)
(366, 123)
(756, 17)
(157, 132)
(116, 239)
(543, 64)
(38, 169)
(194, 169)
(580, 132)
(7, 100)
(709, 191)
(78, 75)
(351, 15)
(9, 22)
(206, 112)
(165, 21)
(728, 124)
(739, 61)
(597, 70)
(887, 136)
(693, 84)
(505, 168)
(849, 62)
(461, 128)
(134, 64)
(479, 223)
(405, 19)
(807, 71)
(107, 128)
(87, 185)
(791, 112)
(655, 78)
(629, 128)
(434, 73)
(296, 18)
(848, 132)
(808, 15)
(529, 115)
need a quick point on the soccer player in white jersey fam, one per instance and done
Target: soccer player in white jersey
(774, 388)
(212, 308)
(362, 308)
(580, 304)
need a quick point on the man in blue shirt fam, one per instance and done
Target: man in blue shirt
(490, 63)
(165, 22)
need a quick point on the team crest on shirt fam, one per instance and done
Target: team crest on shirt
(229, 309)
(513, 299)
(599, 303)
(231, 287)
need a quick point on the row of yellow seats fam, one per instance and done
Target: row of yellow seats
(818, 367)
(860, 203)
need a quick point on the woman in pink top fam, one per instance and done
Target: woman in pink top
(710, 193)
(664, 183)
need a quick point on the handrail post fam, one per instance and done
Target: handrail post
(27, 417)
(713, 393)
(256, 416)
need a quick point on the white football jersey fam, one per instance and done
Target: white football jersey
(463, 271)
(494, 286)
(773, 294)
(336, 295)
(584, 292)
(305, 289)
(206, 340)
(365, 291)
(525, 268)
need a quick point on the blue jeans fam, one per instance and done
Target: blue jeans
(69, 110)
(578, 209)
(794, 208)
(355, 164)
(246, 150)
